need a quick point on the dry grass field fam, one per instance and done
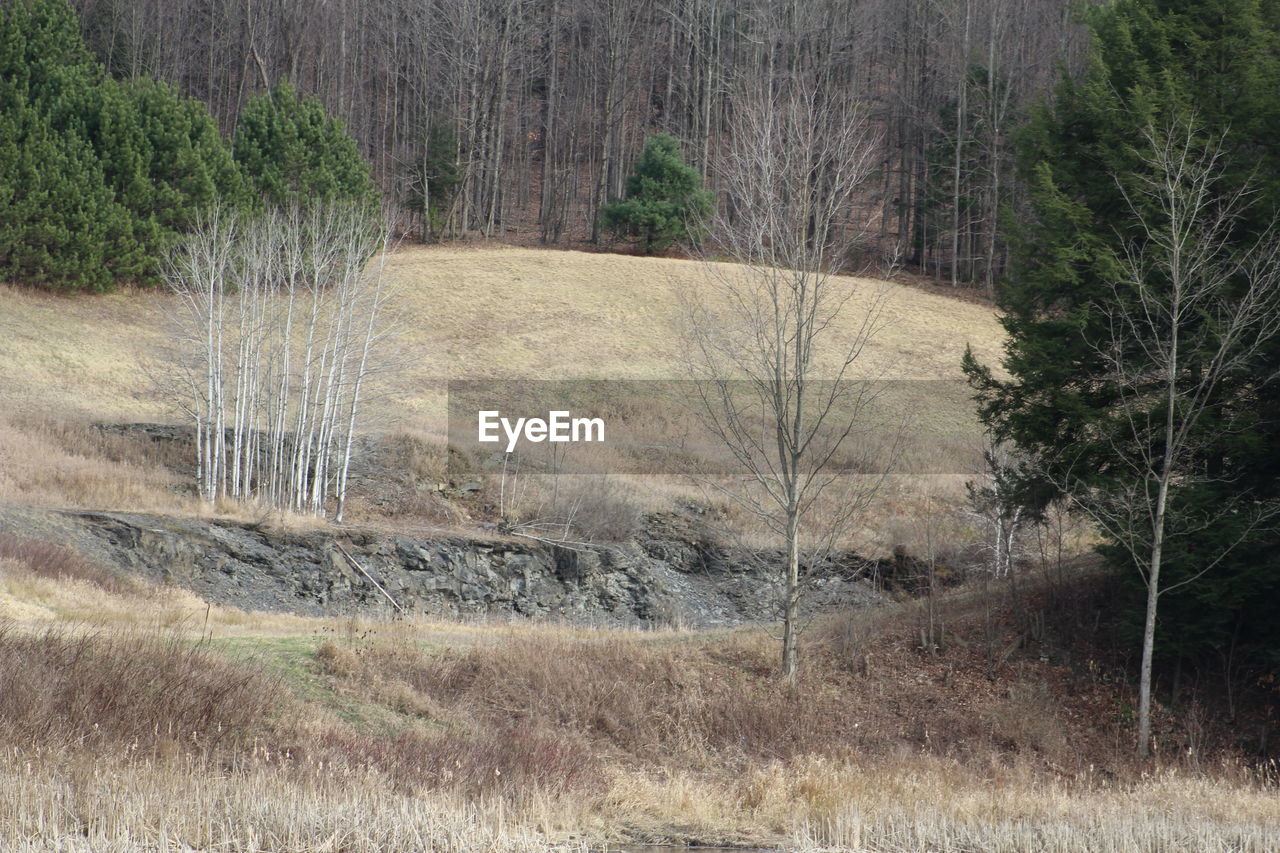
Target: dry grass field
(461, 313)
(135, 719)
(458, 313)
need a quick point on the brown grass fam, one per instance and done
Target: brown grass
(464, 313)
(429, 736)
(711, 702)
(109, 691)
(555, 314)
(74, 802)
(494, 312)
(47, 560)
(65, 463)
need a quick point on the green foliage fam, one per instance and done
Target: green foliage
(105, 174)
(1215, 64)
(665, 202)
(160, 153)
(41, 52)
(188, 164)
(291, 152)
(59, 223)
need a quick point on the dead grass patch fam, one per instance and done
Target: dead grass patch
(47, 560)
(57, 463)
(513, 737)
(711, 702)
(120, 690)
(465, 313)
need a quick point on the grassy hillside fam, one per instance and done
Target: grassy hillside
(137, 717)
(459, 313)
(462, 313)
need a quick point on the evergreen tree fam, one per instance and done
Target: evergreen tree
(189, 166)
(158, 155)
(60, 225)
(291, 152)
(665, 202)
(41, 52)
(1213, 64)
(438, 178)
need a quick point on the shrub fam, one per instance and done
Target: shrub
(145, 691)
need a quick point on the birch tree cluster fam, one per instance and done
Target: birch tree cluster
(279, 319)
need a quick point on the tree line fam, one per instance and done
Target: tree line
(495, 117)
(103, 175)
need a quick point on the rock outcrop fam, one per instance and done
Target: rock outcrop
(669, 575)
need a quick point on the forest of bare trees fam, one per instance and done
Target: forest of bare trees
(519, 119)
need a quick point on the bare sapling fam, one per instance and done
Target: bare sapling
(1188, 312)
(775, 338)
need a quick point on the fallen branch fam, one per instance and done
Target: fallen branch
(360, 568)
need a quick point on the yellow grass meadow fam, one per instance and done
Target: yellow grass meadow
(459, 313)
(140, 718)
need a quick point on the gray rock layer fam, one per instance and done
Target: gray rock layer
(666, 577)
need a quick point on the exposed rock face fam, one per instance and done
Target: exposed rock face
(668, 576)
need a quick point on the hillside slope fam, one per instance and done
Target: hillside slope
(462, 313)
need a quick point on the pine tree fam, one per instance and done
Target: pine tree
(41, 52)
(158, 155)
(437, 178)
(161, 154)
(291, 152)
(190, 166)
(1213, 65)
(665, 202)
(60, 225)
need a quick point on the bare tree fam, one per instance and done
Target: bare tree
(996, 502)
(769, 334)
(1188, 313)
(934, 529)
(278, 317)
(546, 101)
